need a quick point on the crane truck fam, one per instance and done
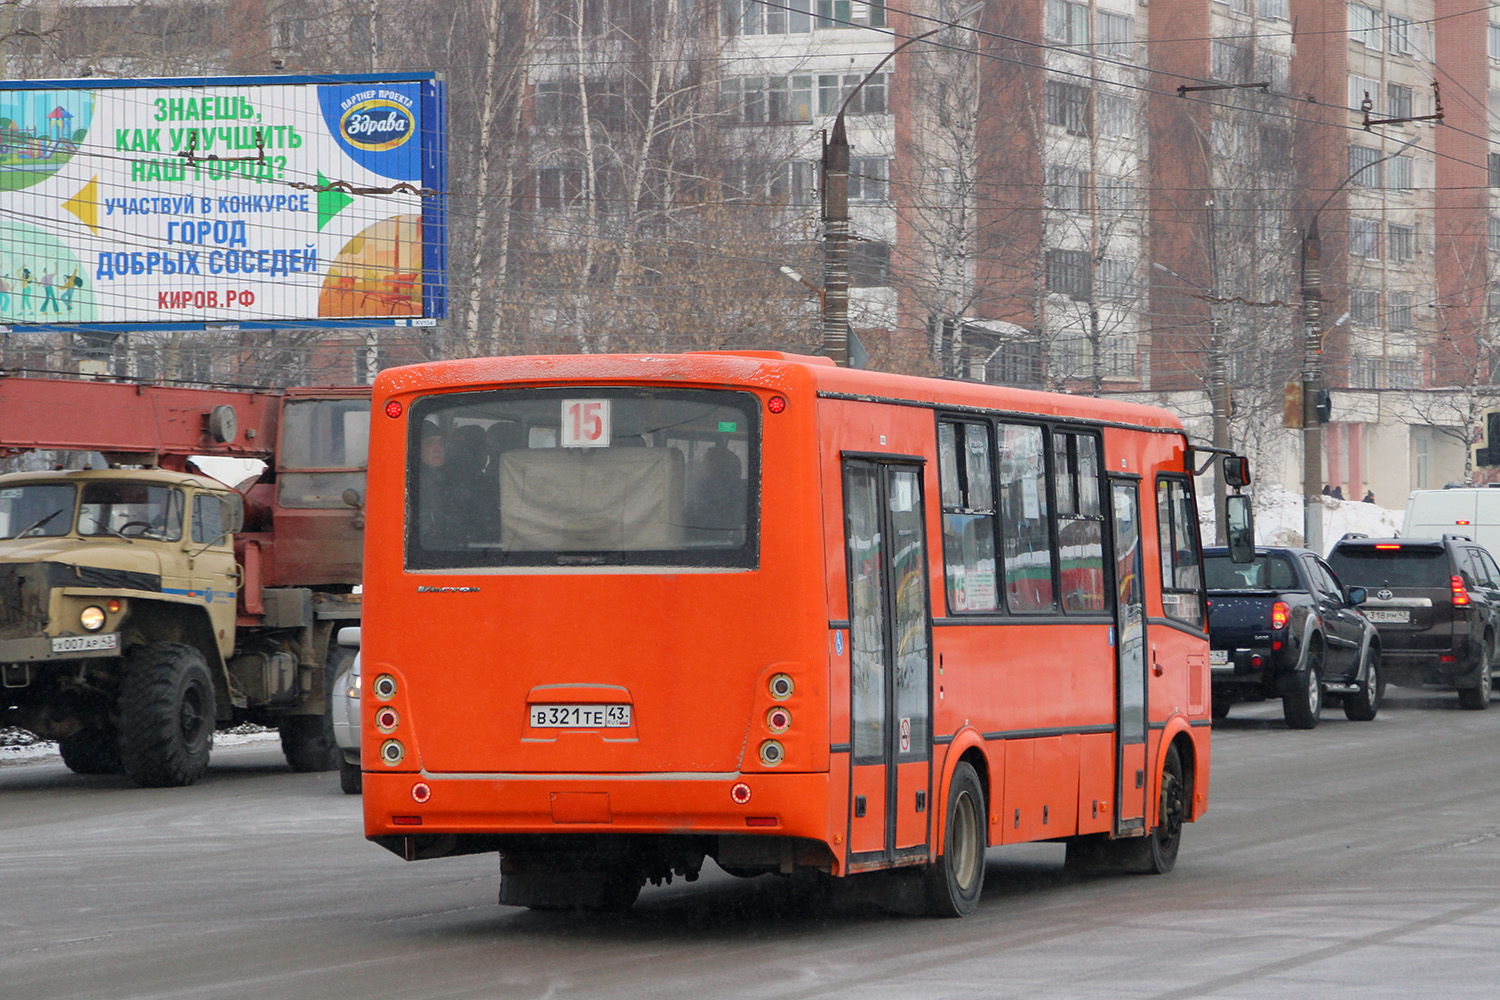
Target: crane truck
(144, 605)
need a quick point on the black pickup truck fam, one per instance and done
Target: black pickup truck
(1282, 626)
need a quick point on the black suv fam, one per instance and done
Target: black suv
(1436, 604)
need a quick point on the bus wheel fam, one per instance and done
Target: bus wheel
(955, 880)
(91, 751)
(166, 715)
(1153, 854)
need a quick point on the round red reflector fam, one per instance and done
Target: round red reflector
(393, 408)
(740, 792)
(776, 404)
(421, 792)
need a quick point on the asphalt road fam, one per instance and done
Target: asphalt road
(1354, 860)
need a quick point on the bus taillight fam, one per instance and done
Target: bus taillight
(739, 792)
(782, 687)
(778, 720)
(772, 753)
(421, 792)
(392, 752)
(384, 687)
(386, 719)
(776, 404)
(393, 408)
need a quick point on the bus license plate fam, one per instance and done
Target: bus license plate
(580, 716)
(85, 643)
(1389, 617)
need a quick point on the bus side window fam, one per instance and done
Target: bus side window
(968, 499)
(1177, 536)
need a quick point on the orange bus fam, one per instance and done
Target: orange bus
(625, 613)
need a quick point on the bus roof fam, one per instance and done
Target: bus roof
(768, 368)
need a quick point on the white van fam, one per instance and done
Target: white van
(1471, 511)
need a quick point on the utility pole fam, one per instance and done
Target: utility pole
(836, 242)
(1218, 375)
(1312, 385)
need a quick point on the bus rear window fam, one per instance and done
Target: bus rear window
(586, 476)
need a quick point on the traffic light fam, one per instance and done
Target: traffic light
(1323, 406)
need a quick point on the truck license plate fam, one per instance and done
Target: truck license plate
(1218, 657)
(85, 643)
(1389, 617)
(580, 716)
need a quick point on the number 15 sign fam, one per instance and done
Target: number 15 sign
(585, 423)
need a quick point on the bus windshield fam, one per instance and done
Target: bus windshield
(587, 476)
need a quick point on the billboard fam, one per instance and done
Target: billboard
(222, 202)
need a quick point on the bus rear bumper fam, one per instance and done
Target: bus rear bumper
(491, 806)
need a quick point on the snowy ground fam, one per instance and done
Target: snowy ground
(17, 746)
(1279, 518)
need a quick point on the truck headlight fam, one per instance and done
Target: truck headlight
(91, 618)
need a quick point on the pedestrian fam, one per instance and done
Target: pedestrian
(1369, 496)
(1338, 493)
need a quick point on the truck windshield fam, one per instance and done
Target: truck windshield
(586, 476)
(1266, 572)
(134, 510)
(36, 510)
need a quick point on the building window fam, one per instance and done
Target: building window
(1116, 36)
(1364, 238)
(1116, 278)
(757, 99)
(1364, 306)
(1399, 174)
(869, 178)
(834, 89)
(1362, 88)
(1397, 101)
(1398, 35)
(751, 17)
(1116, 112)
(1401, 373)
(1068, 23)
(558, 188)
(1275, 145)
(1274, 9)
(1230, 61)
(869, 264)
(1067, 188)
(850, 14)
(1364, 25)
(1116, 196)
(1364, 166)
(795, 183)
(1494, 164)
(1398, 310)
(1274, 69)
(1068, 273)
(1403, 242)
(1364, 373)
(1495, 41)
(1067, 105)
(1494, 233)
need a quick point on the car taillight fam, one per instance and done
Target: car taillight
(1280, 614)
(1460, 595)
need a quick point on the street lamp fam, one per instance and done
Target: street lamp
(1312, 365)
(836, 211)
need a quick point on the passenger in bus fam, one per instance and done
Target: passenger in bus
(473, 496)
(437, 527)
(717, 506)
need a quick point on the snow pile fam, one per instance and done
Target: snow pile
(1279, 518)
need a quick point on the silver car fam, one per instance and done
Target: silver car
(344, 709)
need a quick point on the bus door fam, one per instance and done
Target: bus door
(1131, 780)
(890, 661)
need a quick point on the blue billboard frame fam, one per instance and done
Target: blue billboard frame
(434, 161)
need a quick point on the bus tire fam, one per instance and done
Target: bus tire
(956, 879)
(166, 715)
(95, 750)
(1153, 854)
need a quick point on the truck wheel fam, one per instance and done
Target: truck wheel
(1364, 704)
(1304, 705)
(166, 715)
(307, 742)
(1477, 698)
(92, 751)
(955, 880)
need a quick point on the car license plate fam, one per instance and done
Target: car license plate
(1218, 657)
(1400, 617)
(85, 643)
(580, 716)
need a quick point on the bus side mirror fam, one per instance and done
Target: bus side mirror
(1236, 471)
(1239, 528)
